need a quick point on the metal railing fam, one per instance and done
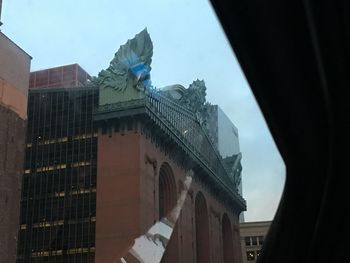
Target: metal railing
(182, 124)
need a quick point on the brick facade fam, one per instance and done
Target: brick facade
(129, 166)
(14, 78)
(12, 135)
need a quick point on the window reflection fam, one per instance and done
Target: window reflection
(107, 156)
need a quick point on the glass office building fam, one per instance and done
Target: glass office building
(58, 206)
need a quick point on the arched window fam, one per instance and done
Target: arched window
(167, 201)
(202, 229)
(227, 240)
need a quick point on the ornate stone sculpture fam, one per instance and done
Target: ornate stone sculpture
(234, 166)
(236, 170)
(129, 69)
(174, 92)
(194, 99)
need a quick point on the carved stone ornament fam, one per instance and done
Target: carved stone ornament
(194, 99)
(152, 161)
(215, 213)
(130, 66)
(236, 170)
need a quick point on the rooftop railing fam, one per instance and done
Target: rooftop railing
(184, 126)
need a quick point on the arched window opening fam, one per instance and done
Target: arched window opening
(202, 229)
(167, 201)
(227, 240)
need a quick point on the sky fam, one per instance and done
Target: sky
(188, 43)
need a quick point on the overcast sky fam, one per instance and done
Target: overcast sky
(188, 44)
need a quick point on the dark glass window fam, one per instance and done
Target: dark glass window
(261, 240)
(58, 205)
(247, 241)
(254, 241)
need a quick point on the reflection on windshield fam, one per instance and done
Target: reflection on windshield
(151, 246)
(139, 161)
(170, 127)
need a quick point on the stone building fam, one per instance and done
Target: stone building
(117, 171)
(252, 239)
(14, 78)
